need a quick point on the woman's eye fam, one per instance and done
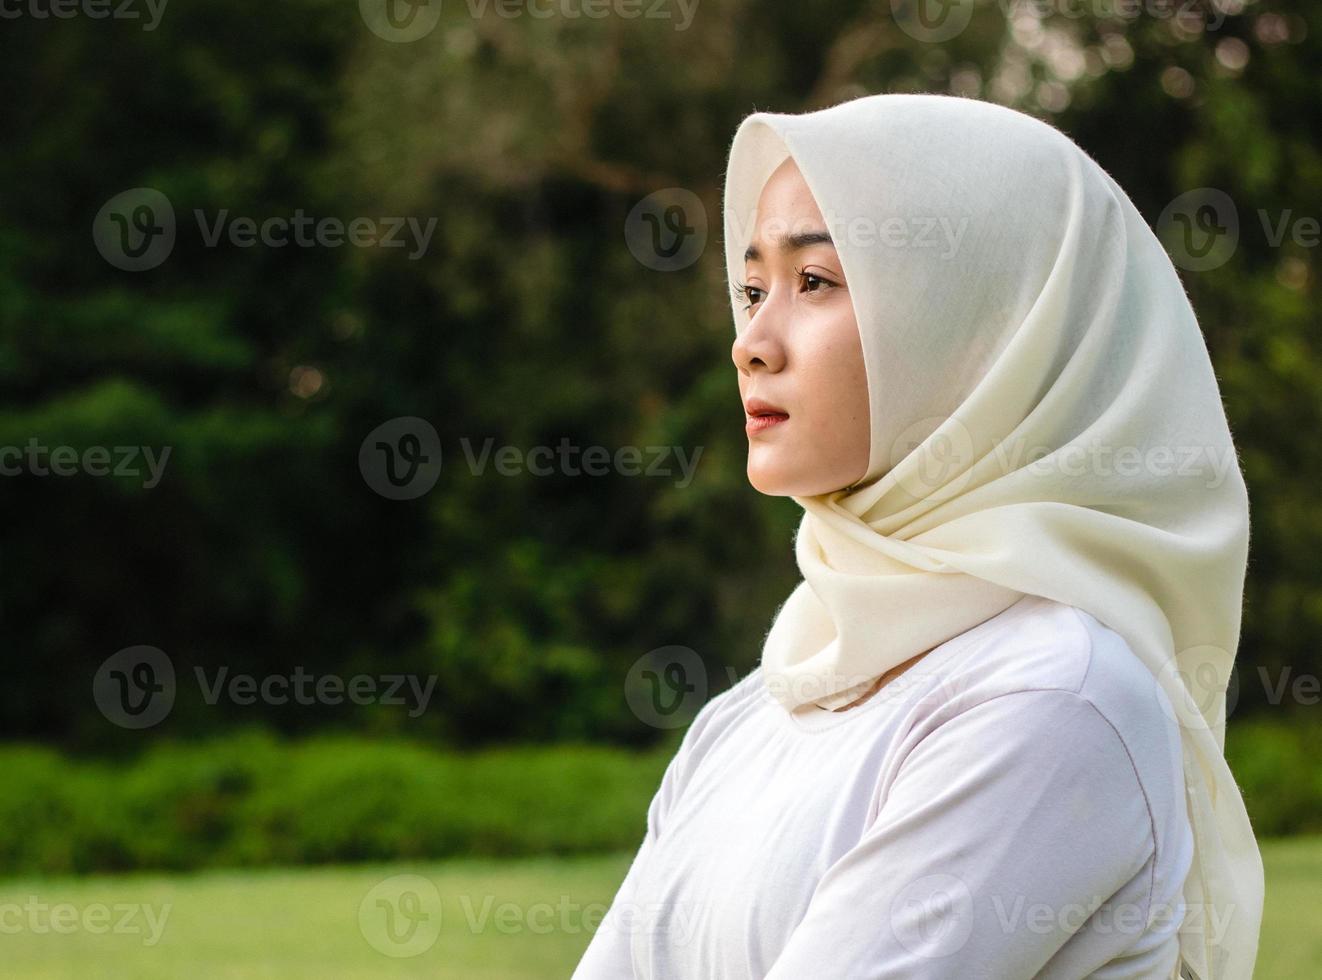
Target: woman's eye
(811, 282)
(752, 295)
(748, 293)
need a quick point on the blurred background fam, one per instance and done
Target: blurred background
(370, 446)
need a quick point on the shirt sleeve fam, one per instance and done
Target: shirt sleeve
(1003, 829)
(609, 955)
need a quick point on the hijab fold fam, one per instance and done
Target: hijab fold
(1045, 420)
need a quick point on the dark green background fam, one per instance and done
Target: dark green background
(528, 320)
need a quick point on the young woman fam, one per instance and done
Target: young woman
(985, 737)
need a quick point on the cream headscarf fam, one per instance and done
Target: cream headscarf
(1045, 421)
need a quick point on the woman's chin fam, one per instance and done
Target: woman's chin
(781, 481)
(786, 475)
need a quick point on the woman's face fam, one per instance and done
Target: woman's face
(800, 360)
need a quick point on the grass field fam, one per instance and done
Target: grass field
(515, 920)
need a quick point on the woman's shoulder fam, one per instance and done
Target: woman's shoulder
(1046, 662)
(1039, 644)
(1038, 662)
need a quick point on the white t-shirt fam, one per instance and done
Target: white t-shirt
(1010, 807)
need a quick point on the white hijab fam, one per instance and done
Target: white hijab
(1014, 306)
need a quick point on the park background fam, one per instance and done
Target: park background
(535, 139)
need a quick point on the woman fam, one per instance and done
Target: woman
(985, 735)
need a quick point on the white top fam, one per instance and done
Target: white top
(1012, 806)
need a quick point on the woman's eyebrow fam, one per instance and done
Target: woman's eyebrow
(792, 243)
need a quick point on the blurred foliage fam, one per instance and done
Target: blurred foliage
(1275, 763)
(246, 800)
(527, 321)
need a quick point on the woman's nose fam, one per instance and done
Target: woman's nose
(758, 346)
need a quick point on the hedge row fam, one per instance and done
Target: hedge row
(1279, 770)
(251, 800)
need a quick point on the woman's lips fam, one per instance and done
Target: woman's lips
(759, 423)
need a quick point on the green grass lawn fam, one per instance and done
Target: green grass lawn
(513, 920)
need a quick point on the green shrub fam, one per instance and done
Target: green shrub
(1276, 764)
(249, 800)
